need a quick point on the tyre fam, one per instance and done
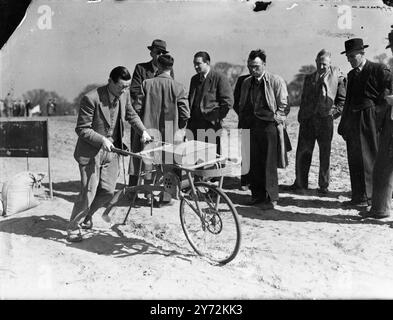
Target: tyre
(210, 223)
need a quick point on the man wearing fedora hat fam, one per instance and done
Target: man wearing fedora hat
(366, 90)
(143, 71)
(381, 202)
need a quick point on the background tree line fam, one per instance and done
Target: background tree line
(232, 72)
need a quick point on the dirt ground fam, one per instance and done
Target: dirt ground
(306, 248)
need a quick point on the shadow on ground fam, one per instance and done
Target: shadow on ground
(53, 228)
(279, 215)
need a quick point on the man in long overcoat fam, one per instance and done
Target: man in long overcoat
(142, 71)
(368, 83)
(381, 202)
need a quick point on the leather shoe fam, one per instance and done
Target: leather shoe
(323, 190)
(294, 187)
(244, 188)
(267, 205)
(74, 236)
(373, 215)
(87, 224)
(254, 201)
(352, 203)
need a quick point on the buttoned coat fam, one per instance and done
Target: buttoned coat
(217, 96)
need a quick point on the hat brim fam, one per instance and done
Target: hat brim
(364, 47)
(151, 47)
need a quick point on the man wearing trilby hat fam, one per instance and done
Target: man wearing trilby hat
(368, 83)
(143, 71)
(381, 204)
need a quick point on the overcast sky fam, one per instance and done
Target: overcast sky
(88, 39)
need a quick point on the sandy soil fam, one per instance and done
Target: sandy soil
(307, 248)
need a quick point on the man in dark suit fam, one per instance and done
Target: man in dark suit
(366, 90)
(381, 202)
(263, 105)
(100, 127)
(143, 71)
(210, 98)
(244, 178)
(322, 101)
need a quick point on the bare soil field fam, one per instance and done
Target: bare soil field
(308, 247)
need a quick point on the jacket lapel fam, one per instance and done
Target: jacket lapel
(105, 103)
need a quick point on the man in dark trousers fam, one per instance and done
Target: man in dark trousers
(322, 101)
(244, 179)
(143, 71)
(100, 127)
(210, 98)
(263, 105)
(381, 202)
(366, 90)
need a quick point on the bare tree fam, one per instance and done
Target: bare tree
(295, 87)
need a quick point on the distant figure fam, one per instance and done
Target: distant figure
(22, 108)
(210, 98)
(28, 107)
(381, 202)
(142, 71)
(100, 127)
(8, 105)
(51, 107)
(322, 101)
(1, 108)
(367, 85)
(15, 108)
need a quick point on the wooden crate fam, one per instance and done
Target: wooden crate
(186, 154)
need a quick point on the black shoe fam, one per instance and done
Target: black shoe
(294, 187)
(244, 187)
(266, 205)
(372, 215)
(254, 201)
(74, 236)
(87, 223)
(323, 190)
(352, 203)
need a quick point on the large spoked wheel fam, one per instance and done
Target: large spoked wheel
(210, 222)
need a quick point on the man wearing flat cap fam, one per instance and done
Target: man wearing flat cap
(368, 84)
(143, 71)
(381, 202)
